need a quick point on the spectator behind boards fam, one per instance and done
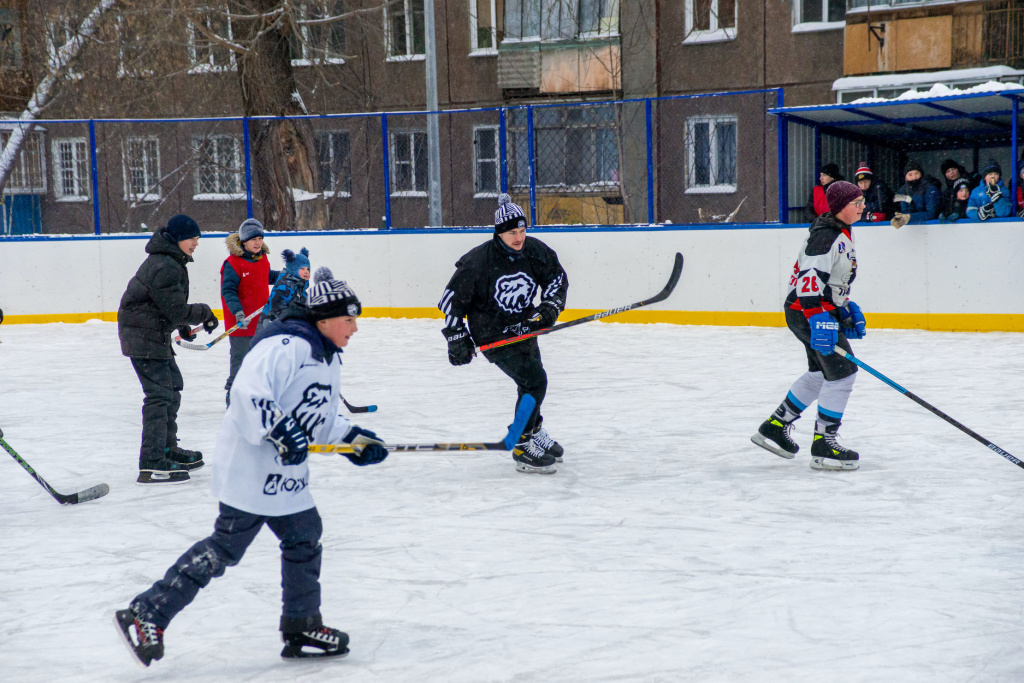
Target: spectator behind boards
(816, 203)
(877, 195)
(290, 287)
(991, 199)
(1020, 193)
(953, 172)
(957, 206)
(919, 199)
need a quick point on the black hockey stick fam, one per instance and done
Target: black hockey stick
(92, 493)
(515, 430)
(358, 409)
(673, 279)
(916, 399)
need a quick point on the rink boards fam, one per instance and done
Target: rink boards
(961, 277)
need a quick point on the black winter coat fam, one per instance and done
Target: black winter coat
(156, 301)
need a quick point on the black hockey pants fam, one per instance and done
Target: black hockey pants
(521, 362)
(234, 531)
(161, 388)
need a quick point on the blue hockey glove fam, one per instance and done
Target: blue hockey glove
(854, 325)
(460, 345)
(544, 316)
(240, 320)
(372, 451)
(289, 440)
(824, 332)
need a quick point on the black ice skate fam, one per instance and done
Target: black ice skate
(550, 446)
(531, 457)
(190, 460)
(774, 435)
(828, 454)
(161, 471)
(319, 642)
(148, 641)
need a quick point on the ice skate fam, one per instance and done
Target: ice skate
(148, 641)
(190, 460)
(161, 471)
(774, 435)
(550, 446)
(828, 454)
(319, 642)
(531, 457)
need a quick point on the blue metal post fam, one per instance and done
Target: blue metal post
(1014, 107)
(650, 162)
(503, 148)
(533, 166)
(387, 170)
(783, 160)
(95, 178)
(248, 167)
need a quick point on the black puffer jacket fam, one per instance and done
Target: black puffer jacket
(156, 301)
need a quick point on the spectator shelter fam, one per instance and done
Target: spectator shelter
(983, 121)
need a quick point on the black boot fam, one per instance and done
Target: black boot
(317, 642)
(774, 435)
(190, 460)
(161, 471)
(148, 641)
(530, 456)
(828, 454)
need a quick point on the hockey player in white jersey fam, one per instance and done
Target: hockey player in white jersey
(822, 316)
(286, 395)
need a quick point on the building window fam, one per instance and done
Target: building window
(709, 21)
(218, 168)
(818, 15)
(29, 173)
(576, 149)
(71, 169)
(560, 19)
(10, 39)
(206, 54)
(409, 163)
(711, 154)
(486, 157)
(320, 38)
(334, 153)
(141, 169)
(599, 18)
(482, 27)
(404, 26)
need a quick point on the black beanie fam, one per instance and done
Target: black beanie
(948, 164)
(913, 166)
(831, 170)
(181, 227)
(509, 215)
(992, 167)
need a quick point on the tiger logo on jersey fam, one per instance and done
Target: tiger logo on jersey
(514, 293)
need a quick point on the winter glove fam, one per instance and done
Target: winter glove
(952, 217)
(544, 316)
(185, 332)
(289, 440)
(824, 332)
(869, 216)
(210, 321)
(240, 320)
(993, 192)
(460, 345)
(372, 451)
(987, 211)
(899, 220)
(1019, 215)
(854, 325)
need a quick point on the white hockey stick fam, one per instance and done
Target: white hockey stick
(203, 347)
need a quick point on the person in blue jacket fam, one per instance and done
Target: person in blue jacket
(921, 197)
(990, 199)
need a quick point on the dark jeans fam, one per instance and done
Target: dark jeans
(233, 532)
(521, 362)
(161, 387)
(833, 366)
(239, 347)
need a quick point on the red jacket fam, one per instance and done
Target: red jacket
(247, 283)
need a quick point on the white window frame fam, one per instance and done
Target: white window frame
(474, 25)
(152, 184)
(80, 169)
(408, 38)
(812, 26)
(393, 158)
(713, 121)
(236, 149)
(29, 173)
(327, 135)
(305, 59)
(713, 34)
(208, 67)
(477, 194)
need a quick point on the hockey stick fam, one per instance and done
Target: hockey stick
(916, 399)
(203, 347)
(673, 279)
(358, 409)
(92, 493)
(523, 413)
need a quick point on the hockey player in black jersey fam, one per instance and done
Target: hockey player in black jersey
(819, 312)
(495, 286)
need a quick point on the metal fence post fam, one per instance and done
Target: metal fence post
(783, 161)
(248, 166)
(95, 179)
(533, 166)
(503, 148)
(386, 147)
(650, 162)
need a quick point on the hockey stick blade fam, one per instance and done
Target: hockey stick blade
(928, 406)
(91, 493)
(358, 409)
(673, 280)
(515, 430)
(203, 347)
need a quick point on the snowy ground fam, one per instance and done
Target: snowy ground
(666, 548)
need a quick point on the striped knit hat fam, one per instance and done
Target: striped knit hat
(330, 298)
(863, 172)
(509, 215)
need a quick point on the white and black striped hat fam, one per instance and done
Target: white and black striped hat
(509, 215)
(330, 298)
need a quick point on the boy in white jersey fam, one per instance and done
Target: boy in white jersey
(286, 395)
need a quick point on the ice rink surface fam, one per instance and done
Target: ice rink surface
(666, 548)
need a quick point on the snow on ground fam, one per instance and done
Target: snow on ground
(666, 548)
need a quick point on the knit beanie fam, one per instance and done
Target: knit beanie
(831, 170)
(330, 298)
(948, 164)
(992, 167)
(181, 227)
(961, 183)
(913, 166)
(509, 215)
(839, 194)
(293, 262)
(863, 172)
(249, 229)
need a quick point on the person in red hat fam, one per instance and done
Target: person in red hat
(877, 195)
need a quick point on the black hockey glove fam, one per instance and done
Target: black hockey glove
(372, 451)
(210, 321)
(460, 345)
(993, 192)
(1019, 215)
(544, 316)
(186, 333)
(289, 440)
(987, 211)
(240, 320)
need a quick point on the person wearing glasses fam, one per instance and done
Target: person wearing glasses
(821, 315)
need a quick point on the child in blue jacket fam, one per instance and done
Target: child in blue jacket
(990, 199)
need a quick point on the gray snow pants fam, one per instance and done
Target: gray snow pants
(161, 388)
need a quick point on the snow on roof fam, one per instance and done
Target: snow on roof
(940, 90)
(985, 73)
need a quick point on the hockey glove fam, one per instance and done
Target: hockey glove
(993, 192)
(240, 320)
(899, 220)
(544, 316)
(289, 440)
(460, 345)
(987, 211)
(1019, 215)
(210, 321)
(854, 325)
(2, 313)
(185, 332)
(372, 451)
(824, 332)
